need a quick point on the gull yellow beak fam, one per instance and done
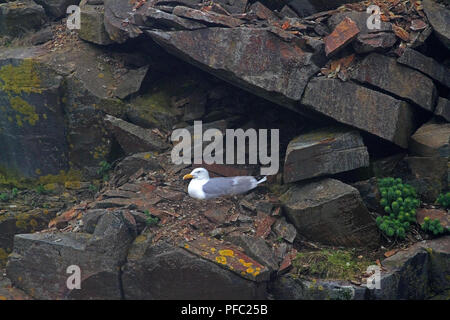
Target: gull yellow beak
(188, 176)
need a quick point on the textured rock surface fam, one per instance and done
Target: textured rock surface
(92, 25)
(386, 74)
(230, 54)
(19, 17)
(39, 262)
(163, 271)
(322, 152)
(134, 139)
(431, 140)
(438, 16)
(57, 8)
(330, 212)
(424, 64)
(366, 40)
(31, 119)
(365, 109)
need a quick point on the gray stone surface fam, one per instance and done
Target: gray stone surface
(163, 271)
(330, 212)
(134, 139)
(427, 65)
(280, 73)
(92, 25)
(39, 262)
(431, 140)
(363, 108)
(438, 16)
(386, 74)
(19, 17)
(323, 152)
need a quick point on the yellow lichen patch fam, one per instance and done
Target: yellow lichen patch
(21, 78)
(3, 257)
(250, 270)
(213, 250)
(221, 260)
(33, 223)
(73, 185)
(62, 177)
(186, 246)
(245, 264)
(140, 239)
(26, 112)
(226, 252)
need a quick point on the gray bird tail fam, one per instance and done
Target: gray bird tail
(262, 180)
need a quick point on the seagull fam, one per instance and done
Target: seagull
(203, 187)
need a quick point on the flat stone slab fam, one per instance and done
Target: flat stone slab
(427, 65)
(330, 212)
(342, 35)
(229, 257)
(164, 271)
(280, 73)
(365, 109)
(323, 152)
(431, 140)
(386, 74)
(134, 139)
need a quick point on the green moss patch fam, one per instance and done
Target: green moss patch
(327, 264)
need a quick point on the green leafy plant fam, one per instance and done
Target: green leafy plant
(400, 202)
(93, 188)
(432, 226)
(104, 169)
(151, 220)
(4, 197)
(14, 192)
(40, 189)
(444, 200)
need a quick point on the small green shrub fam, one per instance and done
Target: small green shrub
(400, 203)
(432, 226)
(151, 220)
(444, 200)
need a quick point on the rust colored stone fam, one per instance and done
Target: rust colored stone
(341, 36)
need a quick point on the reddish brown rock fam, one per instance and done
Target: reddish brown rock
(341, 36)
(441, 215)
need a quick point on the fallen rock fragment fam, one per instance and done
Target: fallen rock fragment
(323, 152)
(330, 212)
(134, 139)
(431, 140)
(18, 17)
(92, 26)
(341, 36)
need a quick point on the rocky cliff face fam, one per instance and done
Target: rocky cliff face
(85, 172)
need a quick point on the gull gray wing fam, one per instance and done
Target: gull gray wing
(228, 186)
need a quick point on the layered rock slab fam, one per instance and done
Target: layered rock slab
(164, 271)
(386, 74)
(39, 262)
(280, 73)
(322, 152)
(360, 107)
(330, 212)
(32, 140)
